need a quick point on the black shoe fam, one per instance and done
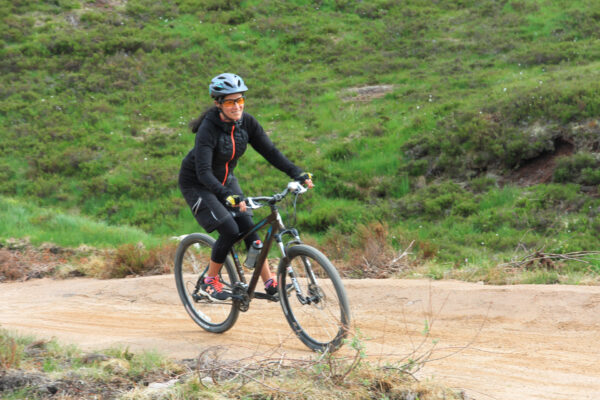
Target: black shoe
(271, 287)
(213, 288)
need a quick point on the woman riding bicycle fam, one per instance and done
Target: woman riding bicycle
(206, 177)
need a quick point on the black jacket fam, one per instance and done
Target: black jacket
(218, 147)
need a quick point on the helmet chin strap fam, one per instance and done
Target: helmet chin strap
(225, 118)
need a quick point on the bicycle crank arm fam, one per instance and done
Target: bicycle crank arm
(266, 296)
(198, 297)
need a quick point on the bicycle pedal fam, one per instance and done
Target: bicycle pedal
(198, 297)
(266, 296)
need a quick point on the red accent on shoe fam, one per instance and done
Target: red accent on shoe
(271, 283)
(214, 282)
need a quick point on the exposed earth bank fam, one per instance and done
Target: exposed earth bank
(495, 342)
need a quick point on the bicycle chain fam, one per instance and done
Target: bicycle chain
(241, 298)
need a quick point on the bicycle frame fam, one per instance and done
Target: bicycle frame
(275, 232)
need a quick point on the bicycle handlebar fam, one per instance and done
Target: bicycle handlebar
(292, 187)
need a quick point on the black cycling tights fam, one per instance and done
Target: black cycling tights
(228, 233)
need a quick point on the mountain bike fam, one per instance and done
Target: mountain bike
(310, 289)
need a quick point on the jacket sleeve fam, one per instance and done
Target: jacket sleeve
(264, 146)
(203, 155)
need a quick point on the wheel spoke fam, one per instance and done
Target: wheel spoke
(191, 264)
(320, 317)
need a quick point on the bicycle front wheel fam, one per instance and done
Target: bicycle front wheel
(317, 308)
(191, 264)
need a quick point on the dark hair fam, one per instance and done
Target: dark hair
(195, 123)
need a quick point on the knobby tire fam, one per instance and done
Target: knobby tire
(191, 262)
(324, 322)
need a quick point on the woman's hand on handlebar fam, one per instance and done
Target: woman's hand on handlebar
(235, 200)
(305, 178)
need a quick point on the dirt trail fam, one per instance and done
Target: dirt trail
(495, 342)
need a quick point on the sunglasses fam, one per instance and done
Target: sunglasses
(231, 102)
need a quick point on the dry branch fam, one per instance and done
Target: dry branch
(548, 260)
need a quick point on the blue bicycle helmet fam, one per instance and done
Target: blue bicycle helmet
(224, 84)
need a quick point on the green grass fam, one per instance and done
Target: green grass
(53, 225)
(96, 100)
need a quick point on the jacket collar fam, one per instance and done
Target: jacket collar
(217, 121)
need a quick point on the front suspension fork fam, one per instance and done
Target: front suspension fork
(290, 270)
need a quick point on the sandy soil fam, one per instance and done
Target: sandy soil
(495, 342)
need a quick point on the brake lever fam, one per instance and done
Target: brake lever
(252, 204)
(296, 187)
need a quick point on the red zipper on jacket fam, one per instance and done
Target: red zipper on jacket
(232, 155)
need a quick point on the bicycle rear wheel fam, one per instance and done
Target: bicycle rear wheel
(318, 313)
(191, 264)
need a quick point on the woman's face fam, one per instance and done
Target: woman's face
(232, 106)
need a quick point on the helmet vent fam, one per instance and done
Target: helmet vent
(225, 84)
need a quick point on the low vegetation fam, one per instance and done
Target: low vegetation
(36, 369)
(371, 256)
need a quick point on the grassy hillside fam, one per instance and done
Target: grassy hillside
(96, 97)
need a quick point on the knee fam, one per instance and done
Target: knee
(229, 229)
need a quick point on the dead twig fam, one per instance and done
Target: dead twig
(403, 254)
(250, 377)
(378, 263)
(548, 260)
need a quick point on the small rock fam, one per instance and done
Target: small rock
(163, 385)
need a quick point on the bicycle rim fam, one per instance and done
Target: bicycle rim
(191, 264)
(320, 316)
